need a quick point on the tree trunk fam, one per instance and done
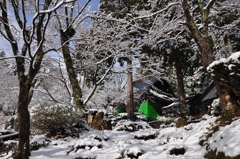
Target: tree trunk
(130, 103)
(23, 151)
(76, 90)
(229, 105)
(25, 83)
(229, 43)
(26, 75)
(180, 84)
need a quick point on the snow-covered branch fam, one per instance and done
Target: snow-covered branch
(209, 4)
(79, 13)
(160, 11)
(61, 3)
(98, 82)
(11, 57)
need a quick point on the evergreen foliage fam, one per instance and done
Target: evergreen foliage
(53, 119)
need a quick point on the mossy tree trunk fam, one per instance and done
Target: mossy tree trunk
(65, 36)
(76, 90)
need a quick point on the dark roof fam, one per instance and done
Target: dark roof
(209, 93)
(152, 82)
(146, 86)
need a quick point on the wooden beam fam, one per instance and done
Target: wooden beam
(9, 135)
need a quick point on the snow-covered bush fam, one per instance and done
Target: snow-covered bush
(97, 135)
(125, 125)
(132, 152)
(145, 135)
(165, 120)
(9, 122)
(8, 147)
(84, 144)
(53, 119)
(39, 141)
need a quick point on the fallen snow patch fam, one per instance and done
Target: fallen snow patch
(227, 139)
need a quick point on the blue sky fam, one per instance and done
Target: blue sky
(4, 44)
(94, 4)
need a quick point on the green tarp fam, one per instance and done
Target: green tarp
(150, 110)
(121, 110)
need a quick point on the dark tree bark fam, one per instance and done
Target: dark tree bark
(130, 103)
(26, 73)
(229, 105)
(23, 150)
(180, 84)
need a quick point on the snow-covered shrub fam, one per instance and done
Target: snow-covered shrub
(97, 135)
(130, 126)
(86, 143)
(132, 152)
(162, 122)
(9, 122)
(165, 120)
(176, 109)
(39, 141)
(183, 110)
(9, 146)
(145, 135)
(84, 158)
(53, 119)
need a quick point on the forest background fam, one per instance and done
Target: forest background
(62, 52)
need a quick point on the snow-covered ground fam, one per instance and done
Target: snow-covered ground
(116, 144)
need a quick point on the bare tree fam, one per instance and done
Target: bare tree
(27, 43)
(82, 56)
(66, 27)
(9, 86)
(51, 78)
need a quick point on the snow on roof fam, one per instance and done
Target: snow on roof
(171, 105)
(162, 96)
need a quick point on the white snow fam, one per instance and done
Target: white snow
(227, 139)
(112, 144)
(162, 96)
(235, 58)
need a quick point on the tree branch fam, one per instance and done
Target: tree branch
(79, 13)
(56, 6)
(210, 4)
(160, 11)
(16, 13)
(97, 83)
